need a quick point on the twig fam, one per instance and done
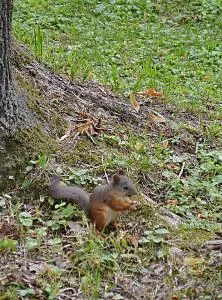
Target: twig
(149, 200)
(104, 169)
(181, 171)
(168, 216)
(76, 135)
(213, 245)
(67, 289)
(150, 178)
(125, 290)
(62, 295)
(197, 147)
(157, 114)
(90, 137)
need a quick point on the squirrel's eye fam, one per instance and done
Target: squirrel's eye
(125, 187)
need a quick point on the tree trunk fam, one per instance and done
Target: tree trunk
(13, 110)
(8, 98)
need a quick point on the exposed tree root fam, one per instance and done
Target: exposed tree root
(90, 96)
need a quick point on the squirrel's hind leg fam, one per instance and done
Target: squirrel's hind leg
(100, 217)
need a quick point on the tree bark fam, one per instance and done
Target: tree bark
(8, 97)
(13, 110)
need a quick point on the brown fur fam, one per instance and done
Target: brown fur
(106, 202)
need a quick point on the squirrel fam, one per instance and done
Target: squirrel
(105, 203)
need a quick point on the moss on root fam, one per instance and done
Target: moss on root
(36, 141)
(84, 151)
(193, 238)
(44, 109)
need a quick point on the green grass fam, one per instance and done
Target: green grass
(174, 47)
(131, 45)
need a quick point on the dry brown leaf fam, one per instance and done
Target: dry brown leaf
(165, 144)
(151, 92)
(134, 103)
(173, 166)
(92, 130)
(200, 216)
(158, 118)
(173, 202)
(132, 240)
(88, 124)
(83, 127)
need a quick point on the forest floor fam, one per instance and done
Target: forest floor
(170, 148)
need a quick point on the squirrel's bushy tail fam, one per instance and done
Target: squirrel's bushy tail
(74, 194)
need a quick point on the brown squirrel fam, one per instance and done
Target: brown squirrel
(105, 203)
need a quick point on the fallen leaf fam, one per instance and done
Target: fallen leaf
(81, 128)
(88, 124)
(173, 166)
(165, 144)
(173, 202)
(134, 103)
(200, 216)
(158, 118)
(151, 92)
(132, 240)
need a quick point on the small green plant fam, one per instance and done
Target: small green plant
(154, 236)
(41, 162)
(7, 244)
(50, 281)
(214, 130)
(114, 140)
(81, 177)
(25, 219)
(95, 261)
(199, 194)
(38, 37)
(90, 284)
(61, 215)
(9, 293)
(174, 47)
(32, 243)
(26, 292)
(52, 290)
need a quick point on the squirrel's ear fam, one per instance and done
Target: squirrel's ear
(116, 178)
(121, 172)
